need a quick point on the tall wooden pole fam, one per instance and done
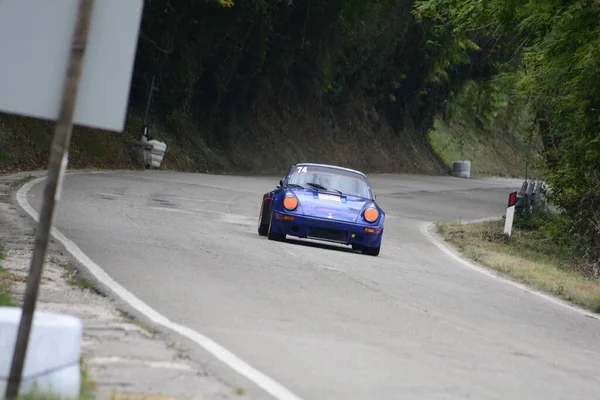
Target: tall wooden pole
(56, 169)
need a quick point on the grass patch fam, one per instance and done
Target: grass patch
(529, 256)
(181, 349)
(70, 275)
(485, 127)
(130, 319)
(141, 325)
(488, 151)
(21, 181)
(87, 390)
(240, 391)
(5, 196)
(6, 281)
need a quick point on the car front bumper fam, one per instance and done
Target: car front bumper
(326, 230)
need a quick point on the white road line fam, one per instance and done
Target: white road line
(425, 230)
(265, 382)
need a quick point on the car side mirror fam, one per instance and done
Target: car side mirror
(280, 183)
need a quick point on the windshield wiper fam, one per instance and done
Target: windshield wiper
(317, 186)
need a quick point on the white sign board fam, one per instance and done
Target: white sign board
(35, 43)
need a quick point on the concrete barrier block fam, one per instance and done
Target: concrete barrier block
(52, 361)
(461, 169)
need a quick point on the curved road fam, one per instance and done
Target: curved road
(325, 322)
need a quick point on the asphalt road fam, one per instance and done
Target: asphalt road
(325, 322)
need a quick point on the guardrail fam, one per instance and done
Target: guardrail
(530, 196)
(524, 201)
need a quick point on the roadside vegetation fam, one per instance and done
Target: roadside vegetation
(250, 87)
(481, 124)
(546, 55)
(71, 278)
(87, 390)
(7, 279)
(384, 86)
(6, 282)
(538, 254)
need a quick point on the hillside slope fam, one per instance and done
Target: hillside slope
(266, 144)
(273, 140)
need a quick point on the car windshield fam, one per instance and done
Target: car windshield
(327, 178)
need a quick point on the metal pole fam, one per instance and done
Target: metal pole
(144, 125)
(56, 169)
(149, 99)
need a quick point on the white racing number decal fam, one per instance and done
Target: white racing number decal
(302, 170)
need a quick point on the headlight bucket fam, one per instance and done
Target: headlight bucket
(290, 202)
(371, 214)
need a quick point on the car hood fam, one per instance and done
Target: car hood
(330, 206)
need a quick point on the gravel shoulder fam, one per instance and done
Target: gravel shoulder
(124, 357)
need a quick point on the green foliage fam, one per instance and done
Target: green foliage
(554, 69)
(534, 220)
(485, 123)
(216, 61)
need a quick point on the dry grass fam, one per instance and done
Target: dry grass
(528, 257)
(87, 390)
(25, 144)
(356, 138)
(7, 279)
(265, 144)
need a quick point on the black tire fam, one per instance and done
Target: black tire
(263, 228)
(371, 251)
(273, 235)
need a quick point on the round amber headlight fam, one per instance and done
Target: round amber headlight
(290, 202)
(371, 214)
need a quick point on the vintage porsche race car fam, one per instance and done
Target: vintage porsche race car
(326, 203)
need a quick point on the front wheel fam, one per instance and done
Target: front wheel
(371, 251)
(274, 235)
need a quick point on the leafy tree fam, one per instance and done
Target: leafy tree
(555, 70)
(218, 59)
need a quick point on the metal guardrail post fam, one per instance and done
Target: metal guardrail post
(529, 197)
(521, 198)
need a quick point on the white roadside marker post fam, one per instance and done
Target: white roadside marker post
(510, 213)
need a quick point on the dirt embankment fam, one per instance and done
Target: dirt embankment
(268, 142)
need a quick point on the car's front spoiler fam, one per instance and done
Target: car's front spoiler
(327, 230)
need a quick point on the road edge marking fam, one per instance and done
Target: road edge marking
(452, 253)
(227, 357)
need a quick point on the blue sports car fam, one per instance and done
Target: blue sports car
(324, 202)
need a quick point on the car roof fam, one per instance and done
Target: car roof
(330, 166)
